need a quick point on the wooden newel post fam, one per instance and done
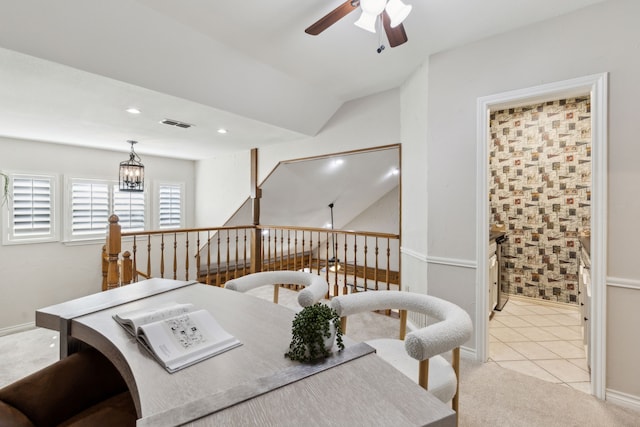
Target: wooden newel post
(256, 234)
(113, 252)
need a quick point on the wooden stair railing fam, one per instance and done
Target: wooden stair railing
(350, 261)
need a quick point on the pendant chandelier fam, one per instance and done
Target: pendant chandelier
(132, 172)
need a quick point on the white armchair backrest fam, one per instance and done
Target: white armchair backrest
(315, 287)
(454, 326)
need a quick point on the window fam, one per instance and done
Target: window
(31, 209)
(93, 201)
(170, 206)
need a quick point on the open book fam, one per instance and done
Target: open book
(177, 335)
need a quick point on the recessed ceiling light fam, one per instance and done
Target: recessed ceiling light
(221, 130)
(133, 110)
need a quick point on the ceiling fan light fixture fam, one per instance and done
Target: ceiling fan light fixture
(370, 11)
(397, 12)
(367, 22)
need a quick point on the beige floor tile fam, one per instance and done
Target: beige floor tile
(507, 335)
(584, 386)
(495, 322)
(580, 363)
(540, 309)
(539, 320)
(564, 319)
(563, 349)
(533, 350)
(501, 352)
(563, 332)
(527, 367)
(577, 343)
(512, 321)
(536, 334)
(517, 310)
(564, 370)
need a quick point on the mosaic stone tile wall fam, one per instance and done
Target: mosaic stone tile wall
(540, 189)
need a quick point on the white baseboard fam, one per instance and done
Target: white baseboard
(623, 399)
(17, 328)
(468, 353)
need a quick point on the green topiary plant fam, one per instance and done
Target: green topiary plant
(309, 330)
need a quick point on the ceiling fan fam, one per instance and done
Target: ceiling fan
(392, 12)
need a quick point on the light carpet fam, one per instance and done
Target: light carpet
(489, 394)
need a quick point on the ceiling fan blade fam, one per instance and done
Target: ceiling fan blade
(397, 35)
(332, 17)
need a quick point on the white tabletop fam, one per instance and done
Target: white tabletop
(364, 389)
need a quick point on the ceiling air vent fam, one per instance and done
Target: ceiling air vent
(171, 122)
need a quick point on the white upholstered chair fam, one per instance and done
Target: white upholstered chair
(418, 354)
(315, 287)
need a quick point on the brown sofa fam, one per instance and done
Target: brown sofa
(84, 389)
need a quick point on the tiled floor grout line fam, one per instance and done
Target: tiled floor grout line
(540, 340)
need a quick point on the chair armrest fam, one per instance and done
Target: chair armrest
(65, 388)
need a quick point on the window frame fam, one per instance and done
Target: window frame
(112, 187)
(156, 213)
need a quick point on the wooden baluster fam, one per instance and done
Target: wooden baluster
(317, 257)
(295, 251)
(208, 257)
(162, 256)
(186, 257)
(105, 267)
(135, 259)
(388, 268)
(228, 261)
(218, 260)
(113, 252)
(126, 268)
(175, 256)
(198, 265)
(149, 256)
(375, 272)
(355, 260)
(269, 249)
(326, 264)
(295, 258)
(365, 263)
(281, 248)
(244, 257)
(235, 270)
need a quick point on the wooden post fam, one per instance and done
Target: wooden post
(256, 194)
(127, 268)
(113, 252)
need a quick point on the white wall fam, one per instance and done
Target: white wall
(601, 38)
(223, 183)
(37, 275)
(413, 107)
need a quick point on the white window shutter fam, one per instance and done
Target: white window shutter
(89, 208)
(31, 207)
(170, 206)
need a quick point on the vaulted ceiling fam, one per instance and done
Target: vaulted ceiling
(70, 68)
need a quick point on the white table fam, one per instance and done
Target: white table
(253, 384)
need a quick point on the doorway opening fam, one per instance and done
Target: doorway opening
(540, 209)
(595, 88)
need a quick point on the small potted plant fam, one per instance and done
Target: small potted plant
(312, 333)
